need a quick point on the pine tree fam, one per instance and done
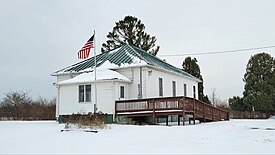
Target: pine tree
(190, 66)
(131, 31)
(259, 81)
(236, 103)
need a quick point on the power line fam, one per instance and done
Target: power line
(218, 52)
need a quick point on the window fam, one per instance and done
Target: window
(160, 87)
(81, 93)
(122, 93)
(194, 91)
(184, 90)
(88, 93)
(139, 91)
(84, 93)
(174, 88)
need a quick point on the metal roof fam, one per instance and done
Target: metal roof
(123, 55)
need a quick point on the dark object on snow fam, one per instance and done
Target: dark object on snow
(93, 131)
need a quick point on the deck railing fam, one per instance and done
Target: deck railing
(186, 104)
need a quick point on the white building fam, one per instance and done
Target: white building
(124, 73)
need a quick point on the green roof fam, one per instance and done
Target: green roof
(126, 54)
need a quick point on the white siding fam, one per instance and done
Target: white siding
(152, 84)
(107, 93)
(105, 97)
(134, 75)
(68, 101)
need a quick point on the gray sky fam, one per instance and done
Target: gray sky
(38, 37)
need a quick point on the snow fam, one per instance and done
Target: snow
(108, 65)
(135, 59)
(114, 51)
(235, 136)
(101, 74)
(104, 72)
(136, 63)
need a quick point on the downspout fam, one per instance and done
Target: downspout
(132, 78)
(140, 83)
(58, 102)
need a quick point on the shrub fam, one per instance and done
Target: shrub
(91, 121)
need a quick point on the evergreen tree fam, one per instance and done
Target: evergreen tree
(130, 30)
(236, 103)
(190, 66)
(259, 90)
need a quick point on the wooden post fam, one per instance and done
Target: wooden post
(178, 120)
(194, 120)
(220, 114)
(203, 112)
(183, 112)
(167, 120)
(194, 112)
(154, 114)
(213, 114)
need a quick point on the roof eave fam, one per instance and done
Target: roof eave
(99, 81)
(64, 73)
(112, 68)
(169, 71)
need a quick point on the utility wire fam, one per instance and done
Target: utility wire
(218, 52)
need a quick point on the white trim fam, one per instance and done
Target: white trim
(91, 82)
(168, 71)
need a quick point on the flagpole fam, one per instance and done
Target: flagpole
(95, 105)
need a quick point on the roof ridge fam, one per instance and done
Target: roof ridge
(162, 61)
(141, 57)
(155, 57)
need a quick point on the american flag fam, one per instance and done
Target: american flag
(85, 50)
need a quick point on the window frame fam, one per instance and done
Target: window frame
(174, 89)
(161, 87)
(81, 93)
(194, 91)
(88, 95)
(122, 92)
(185, 90)
(83, 96)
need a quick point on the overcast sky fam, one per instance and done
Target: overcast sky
(38, 37)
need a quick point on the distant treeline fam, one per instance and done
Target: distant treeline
(19, 106)
(248, 115)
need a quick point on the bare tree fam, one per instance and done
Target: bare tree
(18, 105)
(14, 103)
(214, 97)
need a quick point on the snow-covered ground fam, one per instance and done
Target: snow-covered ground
(235, 136)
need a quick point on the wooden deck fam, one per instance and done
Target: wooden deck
(168, 106)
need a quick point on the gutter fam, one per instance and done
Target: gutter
(114, 68)
(168, 71)
(97, 81)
